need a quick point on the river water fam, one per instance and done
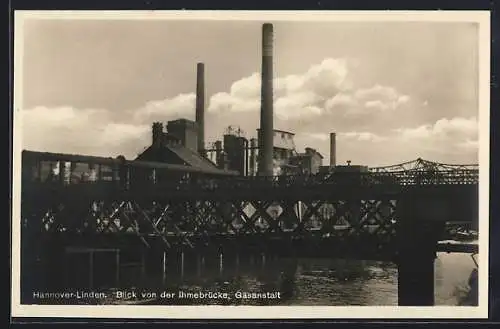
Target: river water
(379, 286)
(319, 282)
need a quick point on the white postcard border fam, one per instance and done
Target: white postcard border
(261, 312)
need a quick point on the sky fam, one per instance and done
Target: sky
(392, 91)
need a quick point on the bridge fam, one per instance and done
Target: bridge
(401, 213)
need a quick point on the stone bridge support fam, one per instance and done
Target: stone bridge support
(422, 213)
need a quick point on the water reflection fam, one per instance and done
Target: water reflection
(320, 282)
(298, 281)
(342, 283)
(452, 284)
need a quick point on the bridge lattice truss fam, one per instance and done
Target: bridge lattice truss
(195, 224)
(348, 213)
(424, 166)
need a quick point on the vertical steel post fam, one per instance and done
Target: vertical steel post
(91, 269)
(143, 266)
(117, 273)
(220, 260)
(182, 264)
(164, 270)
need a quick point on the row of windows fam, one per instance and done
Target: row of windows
(282, 154)
(283, 135)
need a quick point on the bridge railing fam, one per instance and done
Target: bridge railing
(201, 183)
(42, 172)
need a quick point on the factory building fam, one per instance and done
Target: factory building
(273, 152)
(283, 144)
(177, 145)
(236, 151)
(283, 148)
(308, 162)
(183, 141)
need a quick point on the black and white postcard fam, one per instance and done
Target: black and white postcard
(263, 165)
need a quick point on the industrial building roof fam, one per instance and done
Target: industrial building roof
(310, 153)
(147, 163)
(178, 154)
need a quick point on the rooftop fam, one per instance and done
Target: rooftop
(281, 131)
(180, 155)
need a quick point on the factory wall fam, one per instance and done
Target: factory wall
(186, 131)
(236, 149)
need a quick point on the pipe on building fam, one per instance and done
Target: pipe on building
(218, 154)
(200, 107)
(253, 156)
(266, 110)
(246, 157)
(333, 150)
(157, 134)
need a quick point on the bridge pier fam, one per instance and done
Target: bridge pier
(416, 270)
(421, 218)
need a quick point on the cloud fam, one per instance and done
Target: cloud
(454, 129)
(378, 104)
(377, 92)
(318, 136)
(82, 131)
(372, 123)
(182, 105)
(380, 98)
(361, 136)
(247, 88)
(469, 145)
(446, 140)
(327, 78)
(297, 105)
(403, 99)
(295, 96)
(366, 103)
(326, 90)
(342, 102)
(221, 103)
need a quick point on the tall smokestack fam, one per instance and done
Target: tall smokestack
(266, 108)
(200, 106)
(333, 150)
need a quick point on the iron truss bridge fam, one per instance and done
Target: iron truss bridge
(428, 166)
(349, 214)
